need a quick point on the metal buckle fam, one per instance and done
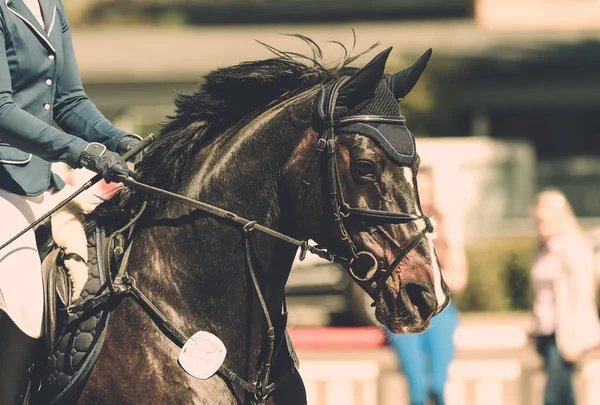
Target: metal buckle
(321, 143)
(371, 273)
(344, 210)
(330, 146)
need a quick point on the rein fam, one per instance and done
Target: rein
(221, 213)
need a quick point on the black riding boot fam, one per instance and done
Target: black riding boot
(17, 357)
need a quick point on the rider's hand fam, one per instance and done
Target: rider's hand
(128, 142)
(110, 165)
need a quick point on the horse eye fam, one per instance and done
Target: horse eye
(365, 168)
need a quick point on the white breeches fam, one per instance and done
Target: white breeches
(21, 290)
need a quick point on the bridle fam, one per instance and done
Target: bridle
(341, 209)
(122, 285)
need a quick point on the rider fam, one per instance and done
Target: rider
(39, 83)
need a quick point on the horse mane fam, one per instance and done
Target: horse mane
(227, 99)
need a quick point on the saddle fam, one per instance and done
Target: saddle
(73, 340)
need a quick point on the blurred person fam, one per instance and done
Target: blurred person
(39, 83)
(564, 288)
(425, 357)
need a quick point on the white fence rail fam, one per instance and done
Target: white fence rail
(495, 365)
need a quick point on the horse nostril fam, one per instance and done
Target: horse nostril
(423, 298)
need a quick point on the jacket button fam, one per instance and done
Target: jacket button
(51, 57)
(48, 82)
(46, 107)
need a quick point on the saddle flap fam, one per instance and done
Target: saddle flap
(54, 279)
(77, 338)
(43, 238)
(64, 286)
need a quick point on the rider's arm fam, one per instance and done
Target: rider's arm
(26, 132)
(74, 112)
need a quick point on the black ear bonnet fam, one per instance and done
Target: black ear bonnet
(396, 140)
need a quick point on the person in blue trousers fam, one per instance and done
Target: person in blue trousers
(39, 85)
(425, 358)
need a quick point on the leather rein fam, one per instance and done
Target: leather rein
(122, 285)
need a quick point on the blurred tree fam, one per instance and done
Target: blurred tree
(431, 107)
(498, 275)
(274, 11)
(518, 282)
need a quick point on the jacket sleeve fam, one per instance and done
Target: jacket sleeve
(73, 110)
(26, 132)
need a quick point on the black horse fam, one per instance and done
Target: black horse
(245, 142)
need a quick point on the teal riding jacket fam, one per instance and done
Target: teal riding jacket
(39, 83)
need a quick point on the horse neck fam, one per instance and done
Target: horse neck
(198, 269)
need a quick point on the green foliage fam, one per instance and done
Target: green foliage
(518, 281)
(431, 107)
(499, 278)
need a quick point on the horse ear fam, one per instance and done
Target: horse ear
(403, 82)
(363, 83)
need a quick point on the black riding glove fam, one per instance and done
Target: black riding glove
(128, 142)
(110, 165)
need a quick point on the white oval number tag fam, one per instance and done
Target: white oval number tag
(202, 355)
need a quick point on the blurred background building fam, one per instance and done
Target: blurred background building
(510, 104)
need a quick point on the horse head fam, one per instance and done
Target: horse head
(367, 190)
